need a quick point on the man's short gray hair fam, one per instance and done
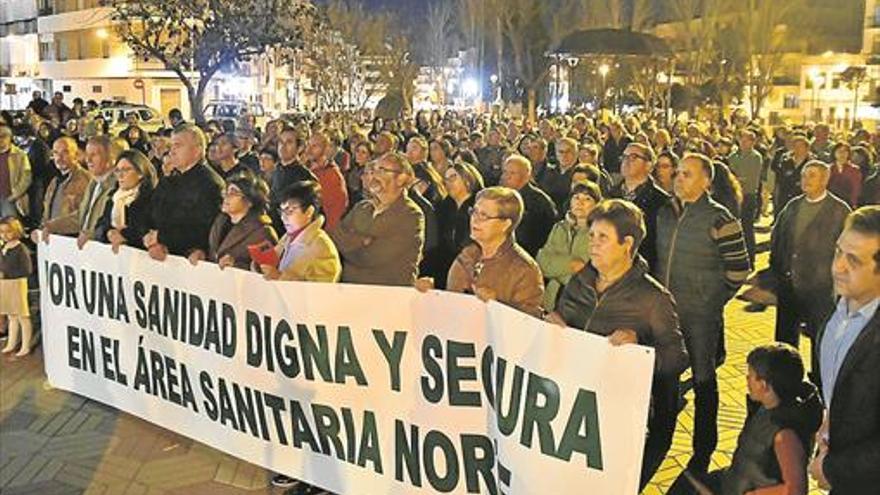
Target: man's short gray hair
(196, 132)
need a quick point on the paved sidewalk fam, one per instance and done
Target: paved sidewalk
(53, 442)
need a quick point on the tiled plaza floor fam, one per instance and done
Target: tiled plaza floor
(53, 442)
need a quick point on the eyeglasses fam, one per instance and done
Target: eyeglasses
(633, 156)
(375, 170)
(286, 211)
(480, 216)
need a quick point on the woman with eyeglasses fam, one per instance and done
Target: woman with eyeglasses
(495, 267)
(568, 248)
(305, 252)
(242, 222)
(463, 182)
(664, 170)
(127, 214)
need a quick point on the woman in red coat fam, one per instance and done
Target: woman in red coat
(846, 178)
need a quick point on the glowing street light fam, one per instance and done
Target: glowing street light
(603, 70)
(471, 87)
(102, 33)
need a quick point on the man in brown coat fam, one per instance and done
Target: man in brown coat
(65, 192)
(380, 239)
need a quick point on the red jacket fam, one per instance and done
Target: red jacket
(334, 196)
(846, 184)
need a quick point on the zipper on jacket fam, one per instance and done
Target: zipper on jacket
(595, 308)
(672, 245)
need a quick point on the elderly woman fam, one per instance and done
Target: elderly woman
(306, 253)
(614, 296)
(495, 267)
(126, 217)
(568, 247)
(242, 222)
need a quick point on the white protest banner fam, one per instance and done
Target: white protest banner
(359, 390)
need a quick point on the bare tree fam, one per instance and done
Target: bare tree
(439, 39)
(196, 38)
(531, 28)
(767, 31)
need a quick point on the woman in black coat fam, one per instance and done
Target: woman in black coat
(463, 181)
(126, 216)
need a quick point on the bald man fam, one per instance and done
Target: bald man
(540, 212)
(66, 191)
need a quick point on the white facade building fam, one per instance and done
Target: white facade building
(69, 46)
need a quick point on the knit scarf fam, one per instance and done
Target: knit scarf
(122, 198)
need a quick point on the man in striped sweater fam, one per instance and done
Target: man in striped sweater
(702, 260)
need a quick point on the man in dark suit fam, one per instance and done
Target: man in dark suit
(848, 356)
(639, 187)
(801, 254)
(185, 203)
(539, 212)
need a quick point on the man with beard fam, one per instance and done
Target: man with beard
(380, 239)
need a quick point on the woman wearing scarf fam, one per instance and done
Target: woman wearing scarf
(127, 213)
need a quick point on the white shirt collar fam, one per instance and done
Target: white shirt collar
(820, 198)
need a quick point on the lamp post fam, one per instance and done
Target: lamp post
(603, 70)
(817, 79)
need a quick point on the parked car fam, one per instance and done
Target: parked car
(117, 115)
(234, 109)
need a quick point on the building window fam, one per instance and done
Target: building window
(47, 51)
(91, 45)
(66, 88)
(791, 101)
(62, 6)
(96, 89)
(71, 45)
(44, 7)
(835, 81)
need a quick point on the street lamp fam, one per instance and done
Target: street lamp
(818, 80)
(603, 70)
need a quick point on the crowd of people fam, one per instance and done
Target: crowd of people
(622, 226)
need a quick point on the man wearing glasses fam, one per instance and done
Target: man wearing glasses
(380, 239)
(638, 187)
